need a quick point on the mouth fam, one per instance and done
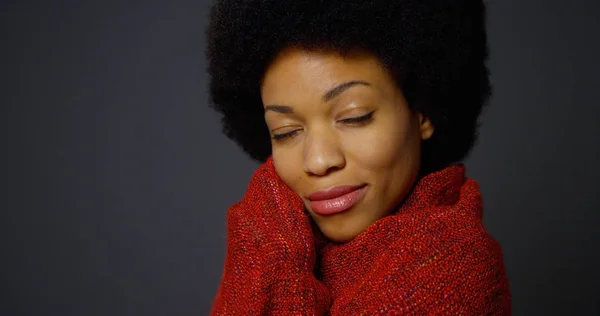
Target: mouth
(335, 200)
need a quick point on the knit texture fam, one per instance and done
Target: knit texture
(430, 257)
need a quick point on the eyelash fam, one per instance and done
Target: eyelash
(354, 120)
(360, 119)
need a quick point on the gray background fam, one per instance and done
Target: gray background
(115, 177)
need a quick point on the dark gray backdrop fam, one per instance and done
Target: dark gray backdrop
(115, 177)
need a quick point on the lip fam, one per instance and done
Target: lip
(333, 193)
(335, 200)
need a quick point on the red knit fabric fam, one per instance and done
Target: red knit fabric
(431, 257)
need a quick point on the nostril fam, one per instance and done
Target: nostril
(322, 170)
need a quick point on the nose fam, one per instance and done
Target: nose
(323, 153)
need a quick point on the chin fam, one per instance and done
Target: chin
(339, 236)
(342, 227)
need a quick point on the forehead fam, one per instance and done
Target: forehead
(301, 73)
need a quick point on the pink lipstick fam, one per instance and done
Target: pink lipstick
(335, 200)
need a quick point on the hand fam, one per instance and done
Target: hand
(275, 216)
(270, 254)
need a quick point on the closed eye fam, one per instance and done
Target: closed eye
(359, 119)
(284, 136)
(352, 120)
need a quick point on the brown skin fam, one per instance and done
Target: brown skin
(322, 150)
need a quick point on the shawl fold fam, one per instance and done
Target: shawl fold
(432, 256)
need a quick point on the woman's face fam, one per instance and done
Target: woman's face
(343, 137)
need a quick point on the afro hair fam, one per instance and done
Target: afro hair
(436, 50)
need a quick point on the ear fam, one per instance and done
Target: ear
(426, 127)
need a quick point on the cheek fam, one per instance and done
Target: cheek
(289, 168)
(384, 147)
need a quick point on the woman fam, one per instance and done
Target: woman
(361, 113)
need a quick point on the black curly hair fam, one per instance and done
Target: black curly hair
(436, 50)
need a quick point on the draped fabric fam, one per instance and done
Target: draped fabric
(432, 256)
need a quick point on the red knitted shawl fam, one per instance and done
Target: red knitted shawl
(431, 257)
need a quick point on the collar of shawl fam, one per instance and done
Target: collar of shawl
(442, 207)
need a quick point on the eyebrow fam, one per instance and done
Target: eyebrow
(326, 97)
(279, 109)
(341, 88)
